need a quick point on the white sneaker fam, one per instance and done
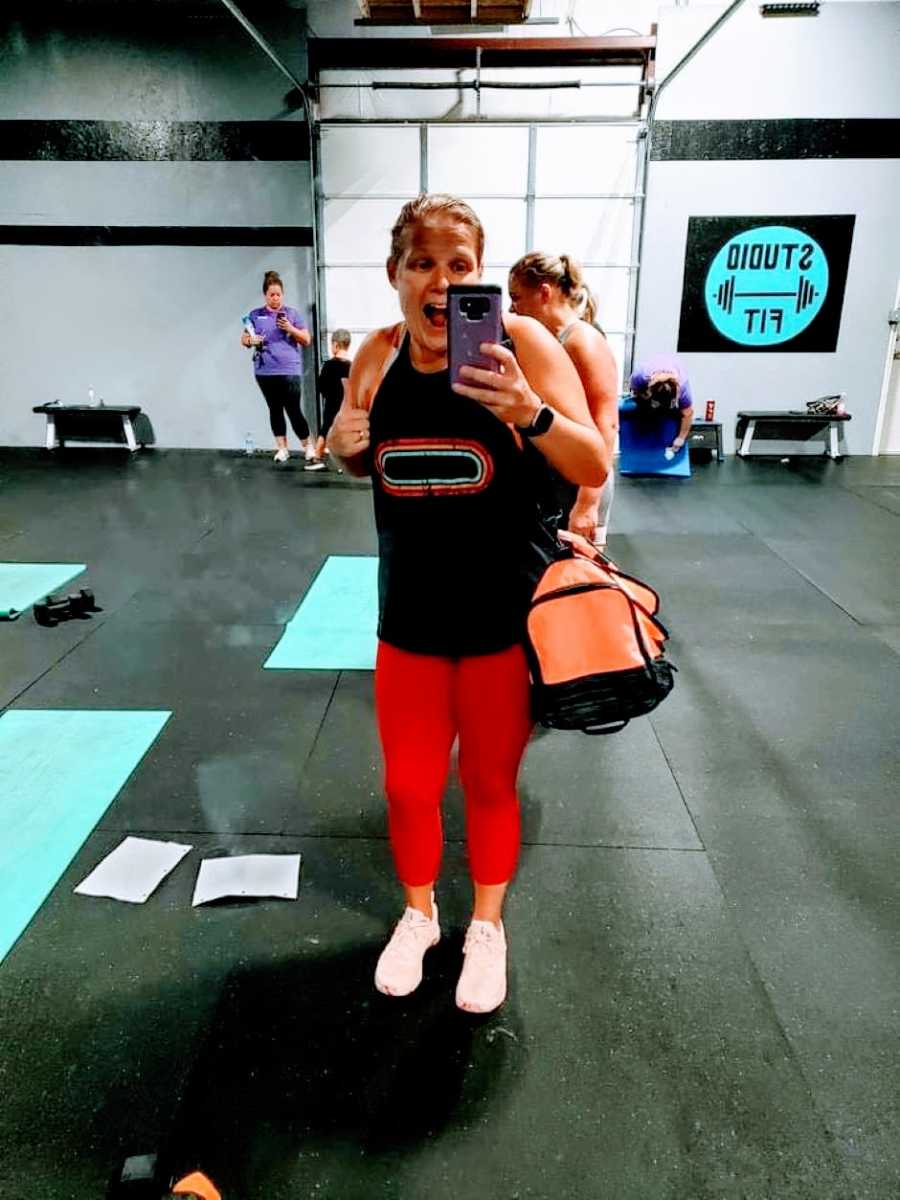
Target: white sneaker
(399, 969)
(314, 464)
(281, 456)
(482, 984)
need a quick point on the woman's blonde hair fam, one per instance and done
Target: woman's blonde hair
(563, 272)
(430, 205)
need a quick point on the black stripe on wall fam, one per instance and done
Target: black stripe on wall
(155, 235)
(702, 141)
(155, 141)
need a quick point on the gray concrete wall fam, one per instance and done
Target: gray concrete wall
(151, 324)
(841, 64)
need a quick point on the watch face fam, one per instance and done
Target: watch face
(542, 422)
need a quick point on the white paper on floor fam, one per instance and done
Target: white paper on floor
(255, 875)
(134, 870)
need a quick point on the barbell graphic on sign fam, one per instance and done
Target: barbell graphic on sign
(803, 295)
(765, 285)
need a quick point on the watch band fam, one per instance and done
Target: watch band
(543, 419)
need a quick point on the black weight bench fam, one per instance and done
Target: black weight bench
(91, 423)
(707, 435)
(754, 429)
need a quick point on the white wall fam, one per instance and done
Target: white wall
(769, 380)
(890, 441)
(842, 64)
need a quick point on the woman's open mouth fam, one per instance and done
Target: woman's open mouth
(436, 315)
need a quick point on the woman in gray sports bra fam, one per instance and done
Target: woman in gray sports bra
(552, 290)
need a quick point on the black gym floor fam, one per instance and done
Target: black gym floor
(704, 966)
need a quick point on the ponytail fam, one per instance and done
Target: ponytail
(587, 305)
(577, 291)
(562, 272)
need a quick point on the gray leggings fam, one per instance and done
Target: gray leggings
(606, 498)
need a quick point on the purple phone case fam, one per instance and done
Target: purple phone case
(465, 336)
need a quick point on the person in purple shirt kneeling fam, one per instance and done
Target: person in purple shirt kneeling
(278, 333)
(661, 386)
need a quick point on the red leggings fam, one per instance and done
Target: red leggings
(423, 702)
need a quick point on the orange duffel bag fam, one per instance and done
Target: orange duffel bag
(594, 645)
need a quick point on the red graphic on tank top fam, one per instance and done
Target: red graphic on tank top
(433, 467)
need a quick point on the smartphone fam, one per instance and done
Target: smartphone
(473, 317)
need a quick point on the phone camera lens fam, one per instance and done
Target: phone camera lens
(474, 308)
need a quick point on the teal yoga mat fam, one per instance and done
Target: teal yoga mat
(22, 583)
(334, 629)
(59, 772)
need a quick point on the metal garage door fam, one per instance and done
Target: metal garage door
(562, 188)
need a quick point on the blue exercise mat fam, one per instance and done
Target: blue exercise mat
(59, 772)
(334, 629)
(642, 445)
(24, 583)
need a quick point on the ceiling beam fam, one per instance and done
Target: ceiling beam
(336, 54)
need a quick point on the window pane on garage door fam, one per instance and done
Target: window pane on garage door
(504, 227)
(593, 231)
(360, 298)
(359, 231)
(484, 161)
(578, 159)
(610, 289)
(364, 159)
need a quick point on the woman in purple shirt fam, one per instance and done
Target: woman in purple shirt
(661, 387)
(278, 333)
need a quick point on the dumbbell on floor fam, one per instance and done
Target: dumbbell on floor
(54, 609)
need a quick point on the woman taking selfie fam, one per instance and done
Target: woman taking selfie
(457, 472)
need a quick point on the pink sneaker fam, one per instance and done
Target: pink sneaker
(399, 969)
(482, 984)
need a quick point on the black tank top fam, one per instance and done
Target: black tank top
(456, 501)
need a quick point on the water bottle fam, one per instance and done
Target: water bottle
(91, 397)
(248, 445)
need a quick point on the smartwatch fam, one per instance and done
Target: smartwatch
(543, 419)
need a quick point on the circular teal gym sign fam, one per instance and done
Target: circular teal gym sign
(766, 285)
